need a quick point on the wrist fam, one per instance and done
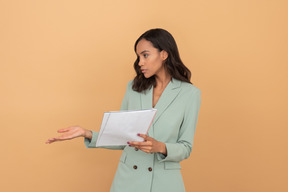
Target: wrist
(163, 149)
(88, 134)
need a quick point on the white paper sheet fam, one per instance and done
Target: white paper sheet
(119, 127)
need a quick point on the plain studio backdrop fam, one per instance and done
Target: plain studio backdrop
(64, 63)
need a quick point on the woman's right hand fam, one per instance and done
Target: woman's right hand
(71, 133)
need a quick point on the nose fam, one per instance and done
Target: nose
(140, 63)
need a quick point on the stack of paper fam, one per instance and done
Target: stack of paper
(119, 127)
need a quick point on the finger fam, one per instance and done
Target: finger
(61, 138)
(135, 143)
(63, 130)
(142, 135)
(51, 140)
(140, 144)
(146, 150)
(145, 137)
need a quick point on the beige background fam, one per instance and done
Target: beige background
(64, 63)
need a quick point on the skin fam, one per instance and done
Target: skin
(151, 62)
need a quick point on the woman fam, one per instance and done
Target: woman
(163, 82)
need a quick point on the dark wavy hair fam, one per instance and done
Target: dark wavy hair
(161, 40)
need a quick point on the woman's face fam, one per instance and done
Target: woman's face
(150, 59)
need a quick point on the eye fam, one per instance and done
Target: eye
(145, 55)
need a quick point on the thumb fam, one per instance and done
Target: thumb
(63, 130)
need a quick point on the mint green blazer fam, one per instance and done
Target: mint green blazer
(174, 125)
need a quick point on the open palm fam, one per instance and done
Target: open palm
(68, 133)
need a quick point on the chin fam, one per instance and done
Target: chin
(147, 76)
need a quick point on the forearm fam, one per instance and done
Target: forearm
(175, 152)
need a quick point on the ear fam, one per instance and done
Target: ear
(164, 55)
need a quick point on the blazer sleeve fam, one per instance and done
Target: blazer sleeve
(92, 143)
(182, 148)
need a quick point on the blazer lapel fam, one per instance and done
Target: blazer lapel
(167, 97)
(146, 103)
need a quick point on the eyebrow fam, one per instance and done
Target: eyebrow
(144, 51)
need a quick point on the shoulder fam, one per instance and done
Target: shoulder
(129, 89)
(190, 95)
(189, 88)
(129, 85)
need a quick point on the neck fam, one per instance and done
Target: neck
(163, 79)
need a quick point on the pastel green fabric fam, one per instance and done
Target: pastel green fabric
(174, 124)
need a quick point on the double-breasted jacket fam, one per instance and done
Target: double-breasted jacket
(174, 125)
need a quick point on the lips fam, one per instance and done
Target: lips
(143, 70)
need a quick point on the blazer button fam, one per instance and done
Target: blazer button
(135, 167)
(136, 149)
(150, 169)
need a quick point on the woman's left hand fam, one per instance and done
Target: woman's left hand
(149, 145)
